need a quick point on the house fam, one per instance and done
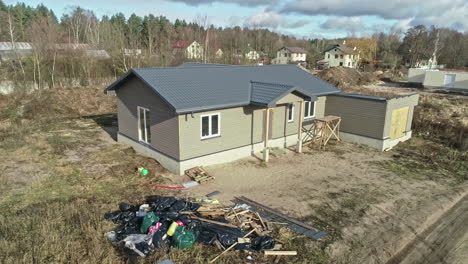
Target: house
(340, 55)
(190, 49)
(204, 114)
(286, 55)
(438, 79)
(248, 53)
(219, 53)
(15, 50)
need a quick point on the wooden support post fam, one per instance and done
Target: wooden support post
(299, 129)
(266, 150)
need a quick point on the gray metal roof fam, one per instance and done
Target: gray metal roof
(192, 89)
(266, 94)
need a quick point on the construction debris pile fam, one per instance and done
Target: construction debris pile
(343, 77)
(168, 222)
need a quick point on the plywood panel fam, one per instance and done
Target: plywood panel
(398, 123)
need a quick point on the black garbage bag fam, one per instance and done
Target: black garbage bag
(178, 206)
(167, 216)
(126, 207)
(226, 235)
(163, 203)
(120, 217)
(185, 219)
(206, 237)
(157, 240)
(262, 243)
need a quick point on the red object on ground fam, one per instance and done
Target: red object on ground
(166, 187)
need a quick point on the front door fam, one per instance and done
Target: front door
(398, 122)
(449, 81)
(144, 132)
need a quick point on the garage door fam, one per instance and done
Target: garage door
(398, 124)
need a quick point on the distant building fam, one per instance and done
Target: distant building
(190, 49)
(219, 53)
(132, 52)
(248, 53)
(287, 55)
(81, 49)
(15, 50)
(340, 55)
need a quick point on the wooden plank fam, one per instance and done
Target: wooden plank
(280, 253)
(213, 222)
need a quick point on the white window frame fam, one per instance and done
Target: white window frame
(140, 138)
(292, 114)
(309, 116)
(210, 135)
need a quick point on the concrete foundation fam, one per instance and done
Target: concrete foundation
(380, 144)
(179, 167)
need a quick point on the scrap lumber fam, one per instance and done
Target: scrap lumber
(294, 224)
(229, 248)
(213, 222)
(280, 253)
(199, 175)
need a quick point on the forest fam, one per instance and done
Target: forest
(155, 35)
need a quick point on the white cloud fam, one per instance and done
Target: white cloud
(239, 2)
(343, 24)
(446, 13)
(274, 20)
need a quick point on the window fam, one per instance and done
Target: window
(341, 63)
(336, 56)
(329, 55)
(309, 109)
(210, 125)
(349, 63)
(341, 56)
(290, 113)
(144, 125)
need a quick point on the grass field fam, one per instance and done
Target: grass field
(61, 171)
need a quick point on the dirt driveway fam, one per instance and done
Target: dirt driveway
(373, 211)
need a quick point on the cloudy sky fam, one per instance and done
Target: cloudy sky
(302, 18)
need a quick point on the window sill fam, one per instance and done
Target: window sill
(309, 118)
(290, 121)
(210, 137)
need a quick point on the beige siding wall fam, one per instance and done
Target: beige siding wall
(164, 126)
(240, 126)
(437, 79)
(358, 116)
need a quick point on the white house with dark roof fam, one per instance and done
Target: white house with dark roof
(340, 55)
(286, 55)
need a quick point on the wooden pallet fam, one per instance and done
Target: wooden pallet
(199, 175)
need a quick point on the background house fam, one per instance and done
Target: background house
(286, 55)
(438, 78)
(15, 50)
(249, 53)
(340, 55)
(190, 49)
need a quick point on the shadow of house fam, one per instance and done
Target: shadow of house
(108, 122)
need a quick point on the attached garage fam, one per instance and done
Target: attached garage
(375, 121)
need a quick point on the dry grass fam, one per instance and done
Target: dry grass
(59, 178)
